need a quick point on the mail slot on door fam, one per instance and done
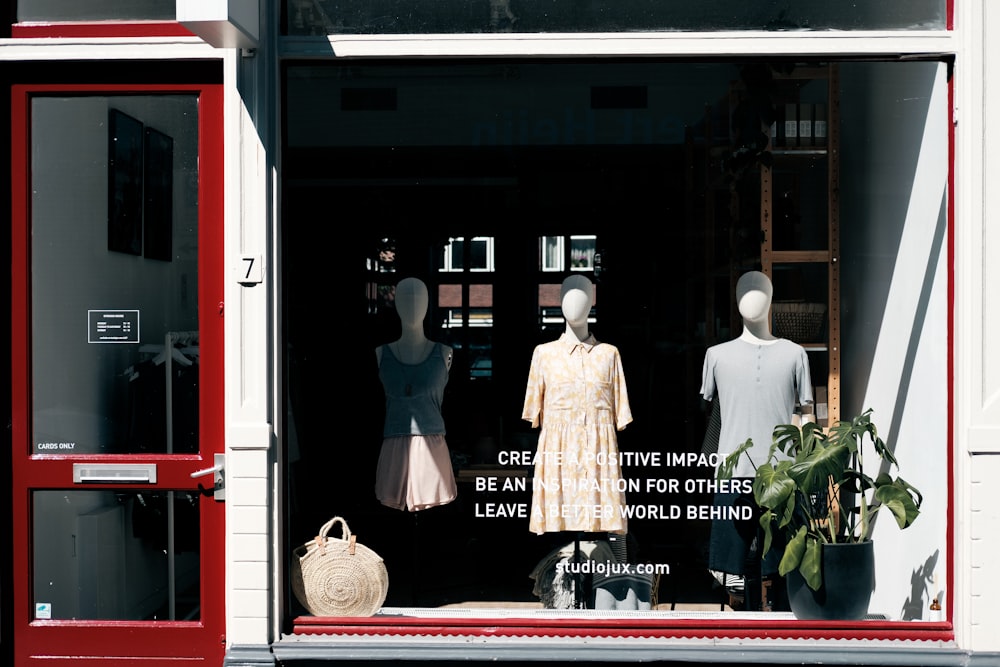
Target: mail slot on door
(114, 473)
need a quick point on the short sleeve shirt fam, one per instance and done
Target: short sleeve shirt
(758, 387)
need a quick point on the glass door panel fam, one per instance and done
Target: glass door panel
(114, 272)
(116, 555)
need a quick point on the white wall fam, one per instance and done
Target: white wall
(894, 305)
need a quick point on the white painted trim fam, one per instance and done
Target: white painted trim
(721, 44)
(250, 438)
(132, 48)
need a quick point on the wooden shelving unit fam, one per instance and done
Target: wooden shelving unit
(795, 211)
(800, 235)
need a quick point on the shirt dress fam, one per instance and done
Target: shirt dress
(576, 393)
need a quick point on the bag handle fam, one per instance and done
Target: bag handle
(344, 531)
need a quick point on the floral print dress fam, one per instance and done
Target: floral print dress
(576, 393)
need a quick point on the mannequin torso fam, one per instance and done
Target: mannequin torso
(414, 469)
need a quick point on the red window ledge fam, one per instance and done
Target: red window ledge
(100, 29)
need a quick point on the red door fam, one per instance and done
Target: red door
(117, 375)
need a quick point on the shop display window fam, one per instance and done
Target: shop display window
(327, 17)
(98, 10)
(652, 217)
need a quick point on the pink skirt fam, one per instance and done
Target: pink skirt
(414, 472)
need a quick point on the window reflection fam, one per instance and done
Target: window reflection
(116, 555)
(573, 253)
(327, 17)
(96, 10)
(476, 254)
(131, 384)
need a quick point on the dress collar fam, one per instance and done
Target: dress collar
(574, 345)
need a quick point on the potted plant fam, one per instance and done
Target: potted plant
(814, 492)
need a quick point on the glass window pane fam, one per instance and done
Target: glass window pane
(327, 17)
(582, 251)
(116, 555)
(96, 10)
(677, 203)
(479, 251)
(114, 274)
(552, 253)
(457, 262)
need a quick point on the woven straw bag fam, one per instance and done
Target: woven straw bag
(338, 577)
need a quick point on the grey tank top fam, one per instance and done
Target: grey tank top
(413, 394)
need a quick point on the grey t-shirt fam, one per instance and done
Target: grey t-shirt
(758, 386)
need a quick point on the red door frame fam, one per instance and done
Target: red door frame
(151, 643)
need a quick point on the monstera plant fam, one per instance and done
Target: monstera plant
(816, 490)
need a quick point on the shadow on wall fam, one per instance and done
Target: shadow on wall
(923, 582)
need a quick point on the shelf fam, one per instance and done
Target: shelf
(800, 152)
(800, 256)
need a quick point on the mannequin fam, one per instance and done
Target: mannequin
(576, 394)
(414, 467)
(758, 380)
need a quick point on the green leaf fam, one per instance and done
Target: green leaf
(767, 522)
(772, 487)
(898, 500)
(729, 463)
(787, 438)
(812, 436)
(813, 473)
(794, 550)
(811, 567)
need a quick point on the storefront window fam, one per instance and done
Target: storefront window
(98, 10)
(652, 213)
(329, 17)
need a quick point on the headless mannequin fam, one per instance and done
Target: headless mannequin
(414, 470)
(576, 395)
(754, 292)
(413, 346)
(577, 297)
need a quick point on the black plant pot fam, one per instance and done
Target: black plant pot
(848, 582)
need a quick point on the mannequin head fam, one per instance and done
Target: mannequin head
(576, 297)
(753, 295)
(411, 301)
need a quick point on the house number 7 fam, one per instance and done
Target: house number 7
(250, 270)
